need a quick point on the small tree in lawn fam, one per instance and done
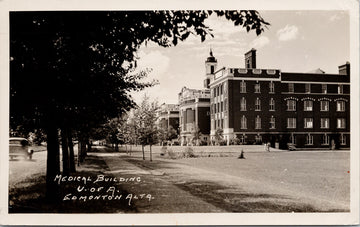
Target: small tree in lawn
(147, 117)
(139, 120)
(127, 132)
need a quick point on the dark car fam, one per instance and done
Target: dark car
(19, 147)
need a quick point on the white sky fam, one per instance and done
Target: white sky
(296, 41)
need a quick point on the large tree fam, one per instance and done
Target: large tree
(73, 70)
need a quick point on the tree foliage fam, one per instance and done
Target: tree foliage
(75, 68)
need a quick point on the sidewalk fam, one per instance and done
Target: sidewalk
(167, 198)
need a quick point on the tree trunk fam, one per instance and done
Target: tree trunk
(83, 149)
(53, 162)
(72, 156)
(142, 147)
(88, 146)
(150, 153)
(79, 152)
(65, 152)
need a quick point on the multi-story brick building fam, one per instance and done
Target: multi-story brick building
(310, 110)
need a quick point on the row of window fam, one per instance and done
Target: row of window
(217, 91)
(291, 89)
(291, 123)
(291, 105)
(218, 107)
(257, 104)
(325, 140)
(324, 123)
(324, 89)
(308, 105)
(256, 87)
(243, 122)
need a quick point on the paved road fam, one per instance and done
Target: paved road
(20, 169)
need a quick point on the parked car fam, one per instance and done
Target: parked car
(19, 147)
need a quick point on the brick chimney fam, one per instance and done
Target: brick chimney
(250, 59)
(345, 69)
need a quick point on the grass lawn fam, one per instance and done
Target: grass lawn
(275, 181)
(319, 175)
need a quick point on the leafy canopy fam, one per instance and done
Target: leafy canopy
(77, 68)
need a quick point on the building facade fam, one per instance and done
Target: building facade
(169, 117)
(194, 114)
(310, 110)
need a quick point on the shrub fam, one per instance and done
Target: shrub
(163, 150)
(222, 142)
(172, 154)
(189, 153)
(235, 141)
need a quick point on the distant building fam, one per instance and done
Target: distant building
(169, 117)
(194, 108)
(310, 110)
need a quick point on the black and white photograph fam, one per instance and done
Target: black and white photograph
(167, 114)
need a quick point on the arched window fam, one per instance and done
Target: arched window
(243, 122)
(308, 105)
(291, 105)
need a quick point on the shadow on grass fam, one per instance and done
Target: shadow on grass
(232, 199)
(240, 202)
(149, 165)
(104, 149)
(29, 196)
